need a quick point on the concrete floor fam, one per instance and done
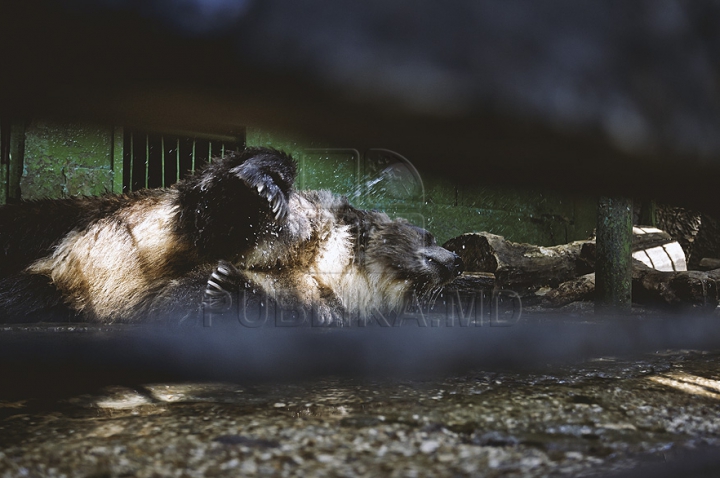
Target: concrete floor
(594, 417)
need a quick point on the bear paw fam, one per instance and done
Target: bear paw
(218, 290)
(272, 178)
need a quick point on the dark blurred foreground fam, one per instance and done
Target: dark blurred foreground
(45, 359)
(598, 97)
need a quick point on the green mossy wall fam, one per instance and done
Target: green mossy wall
(532, 216)
(62, 160)
(66, 159)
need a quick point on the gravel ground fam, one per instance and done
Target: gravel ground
(590, 418)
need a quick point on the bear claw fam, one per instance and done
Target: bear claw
(220, 282)
(255, 174)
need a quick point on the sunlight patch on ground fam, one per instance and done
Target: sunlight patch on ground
(692, 384)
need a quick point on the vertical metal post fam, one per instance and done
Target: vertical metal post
(117, 160)
(4, 159)
(146, 176)
(613, 262)
(648, 213)
(177, 160)
(13, 152)
(162, 161)
(194, 165)
(132, 162)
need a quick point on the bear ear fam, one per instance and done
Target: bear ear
(426, 236)
(430, 239)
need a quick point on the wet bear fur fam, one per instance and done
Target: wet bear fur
(236, 224)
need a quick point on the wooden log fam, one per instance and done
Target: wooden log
(581, 288)
(645, 241)
(470, 282)
(519, 265)
(657, 249)
(694, 289)
(491, 261)
(649, 237)
(709, 263)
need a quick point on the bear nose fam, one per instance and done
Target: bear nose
(458, 265)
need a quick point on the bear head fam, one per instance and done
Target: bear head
(408, 253)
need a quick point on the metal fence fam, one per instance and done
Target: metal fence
(156, 159)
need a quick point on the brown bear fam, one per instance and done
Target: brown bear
(236, 222)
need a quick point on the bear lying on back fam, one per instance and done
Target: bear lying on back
(236, 222)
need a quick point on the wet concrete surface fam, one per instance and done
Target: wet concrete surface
(594, 417)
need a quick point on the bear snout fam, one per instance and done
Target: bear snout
(447, 265)
(458, 265)
(454, 266)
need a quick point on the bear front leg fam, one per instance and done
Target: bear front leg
(184, 300)
(231, 202)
